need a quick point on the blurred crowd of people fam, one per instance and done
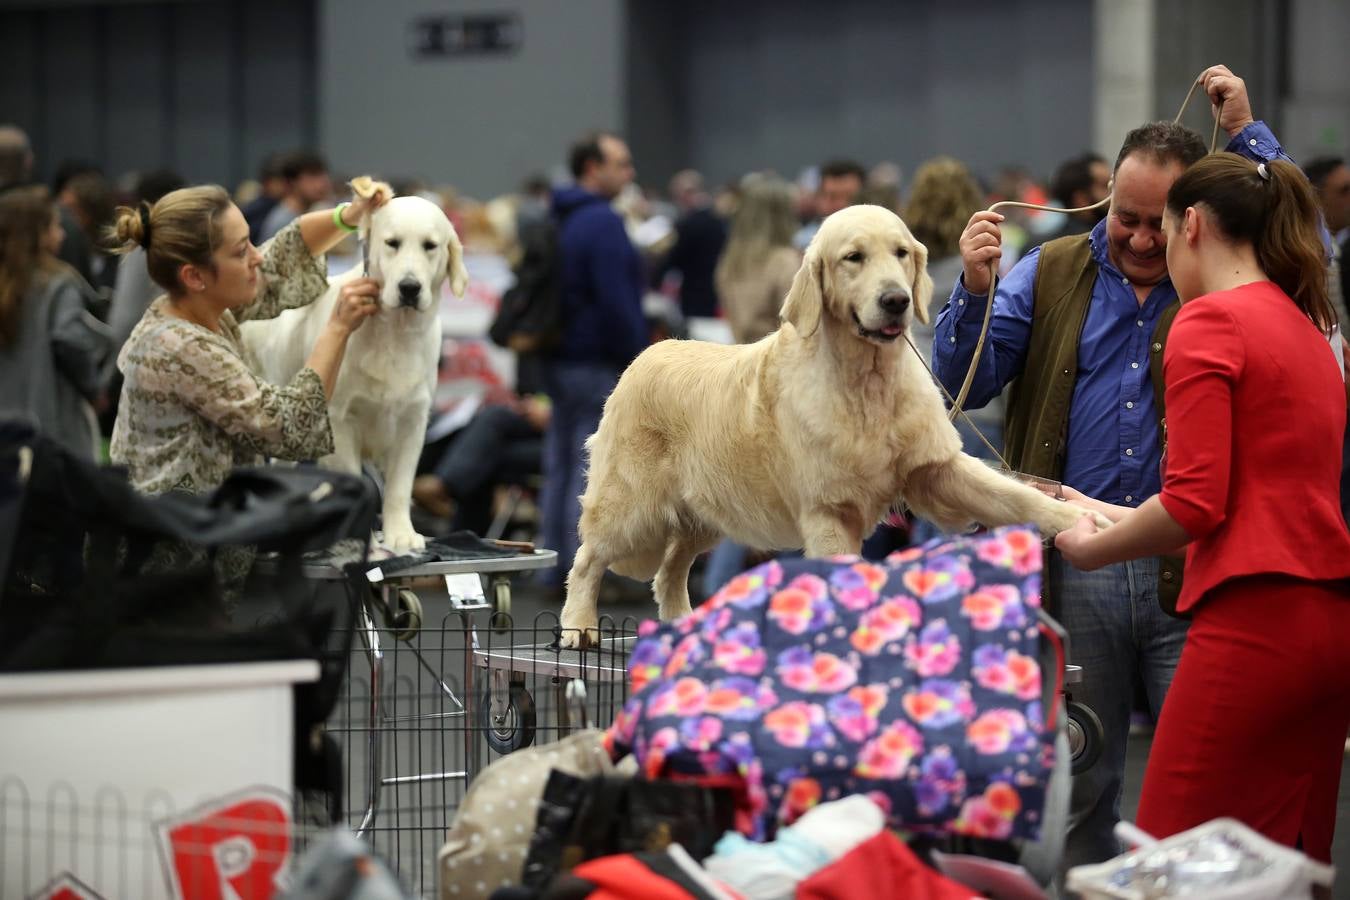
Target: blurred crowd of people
(707, 260)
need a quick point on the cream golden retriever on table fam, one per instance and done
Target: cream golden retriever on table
(384, 389)
(803, 439)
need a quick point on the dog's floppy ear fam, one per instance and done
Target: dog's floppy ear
(365, 186)
(802, 308)
(454, 264)
(923, 283)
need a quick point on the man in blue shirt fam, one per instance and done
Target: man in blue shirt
(1110, 447)
(600, 288)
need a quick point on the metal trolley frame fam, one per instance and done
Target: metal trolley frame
(430, 698)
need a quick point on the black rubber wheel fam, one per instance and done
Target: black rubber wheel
(501, 606)
(404, 620)
(1086, 737)
(515, 729)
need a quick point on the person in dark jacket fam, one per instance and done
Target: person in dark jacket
(600, 286)
(700, 235)
(273, 183)
(77, 250)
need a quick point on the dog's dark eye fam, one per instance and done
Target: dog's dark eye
(901, 253)
(428, 246)
(393, 243)
(854, 257)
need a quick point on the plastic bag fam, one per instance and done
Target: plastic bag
(1220, 860)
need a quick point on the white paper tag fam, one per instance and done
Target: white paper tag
(464, 588)
(375, 575)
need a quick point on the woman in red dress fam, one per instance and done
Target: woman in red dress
(1255, 723)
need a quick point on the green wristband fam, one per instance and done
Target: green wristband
(337, 218)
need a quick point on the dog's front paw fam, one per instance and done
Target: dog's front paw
(1100, 520)
(577, 639)
(577, 632)
(404, 540)
(1061, 516)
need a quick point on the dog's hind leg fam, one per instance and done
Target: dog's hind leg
(671, 587)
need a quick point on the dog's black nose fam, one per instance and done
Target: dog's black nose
(894, 301)
(409, 291)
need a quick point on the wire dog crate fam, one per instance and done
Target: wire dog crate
(427, 706)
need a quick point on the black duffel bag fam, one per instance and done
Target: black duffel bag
(83, 584)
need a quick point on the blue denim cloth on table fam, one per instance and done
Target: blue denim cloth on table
(915, 681)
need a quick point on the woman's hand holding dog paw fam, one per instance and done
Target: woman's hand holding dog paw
(1062, 516)
(1076, 544)
(1104, 514)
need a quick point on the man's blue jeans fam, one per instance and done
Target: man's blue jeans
(577, 392)
(1119, 635)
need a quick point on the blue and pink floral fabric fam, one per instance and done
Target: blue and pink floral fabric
(915, 681)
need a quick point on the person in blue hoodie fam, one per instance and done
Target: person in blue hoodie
(601, 285)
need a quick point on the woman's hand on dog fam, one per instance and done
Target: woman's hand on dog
(1078, 543)
(357, 301)
(361, 204)
(1108, 512)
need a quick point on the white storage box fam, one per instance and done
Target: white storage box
(147, 783)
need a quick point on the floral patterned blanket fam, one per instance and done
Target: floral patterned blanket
(915, 681)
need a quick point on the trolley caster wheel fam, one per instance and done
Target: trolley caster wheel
(403, 617)
(515, 729)
(501, 605)
(1086, 737)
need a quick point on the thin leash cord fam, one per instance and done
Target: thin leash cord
(957, 409)
(959, 400)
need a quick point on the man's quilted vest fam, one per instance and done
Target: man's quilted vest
(1037, 421)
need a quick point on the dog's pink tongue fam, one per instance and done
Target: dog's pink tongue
(892, 330)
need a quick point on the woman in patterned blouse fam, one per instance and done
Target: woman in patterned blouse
(192, 407)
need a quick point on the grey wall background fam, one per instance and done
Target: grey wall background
(206, 88)
(788, 83)
(209, 86)
(1317, 82)
(482, 123)
(1247, 36)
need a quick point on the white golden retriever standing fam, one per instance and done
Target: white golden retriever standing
(803, 439)
(384, 389)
